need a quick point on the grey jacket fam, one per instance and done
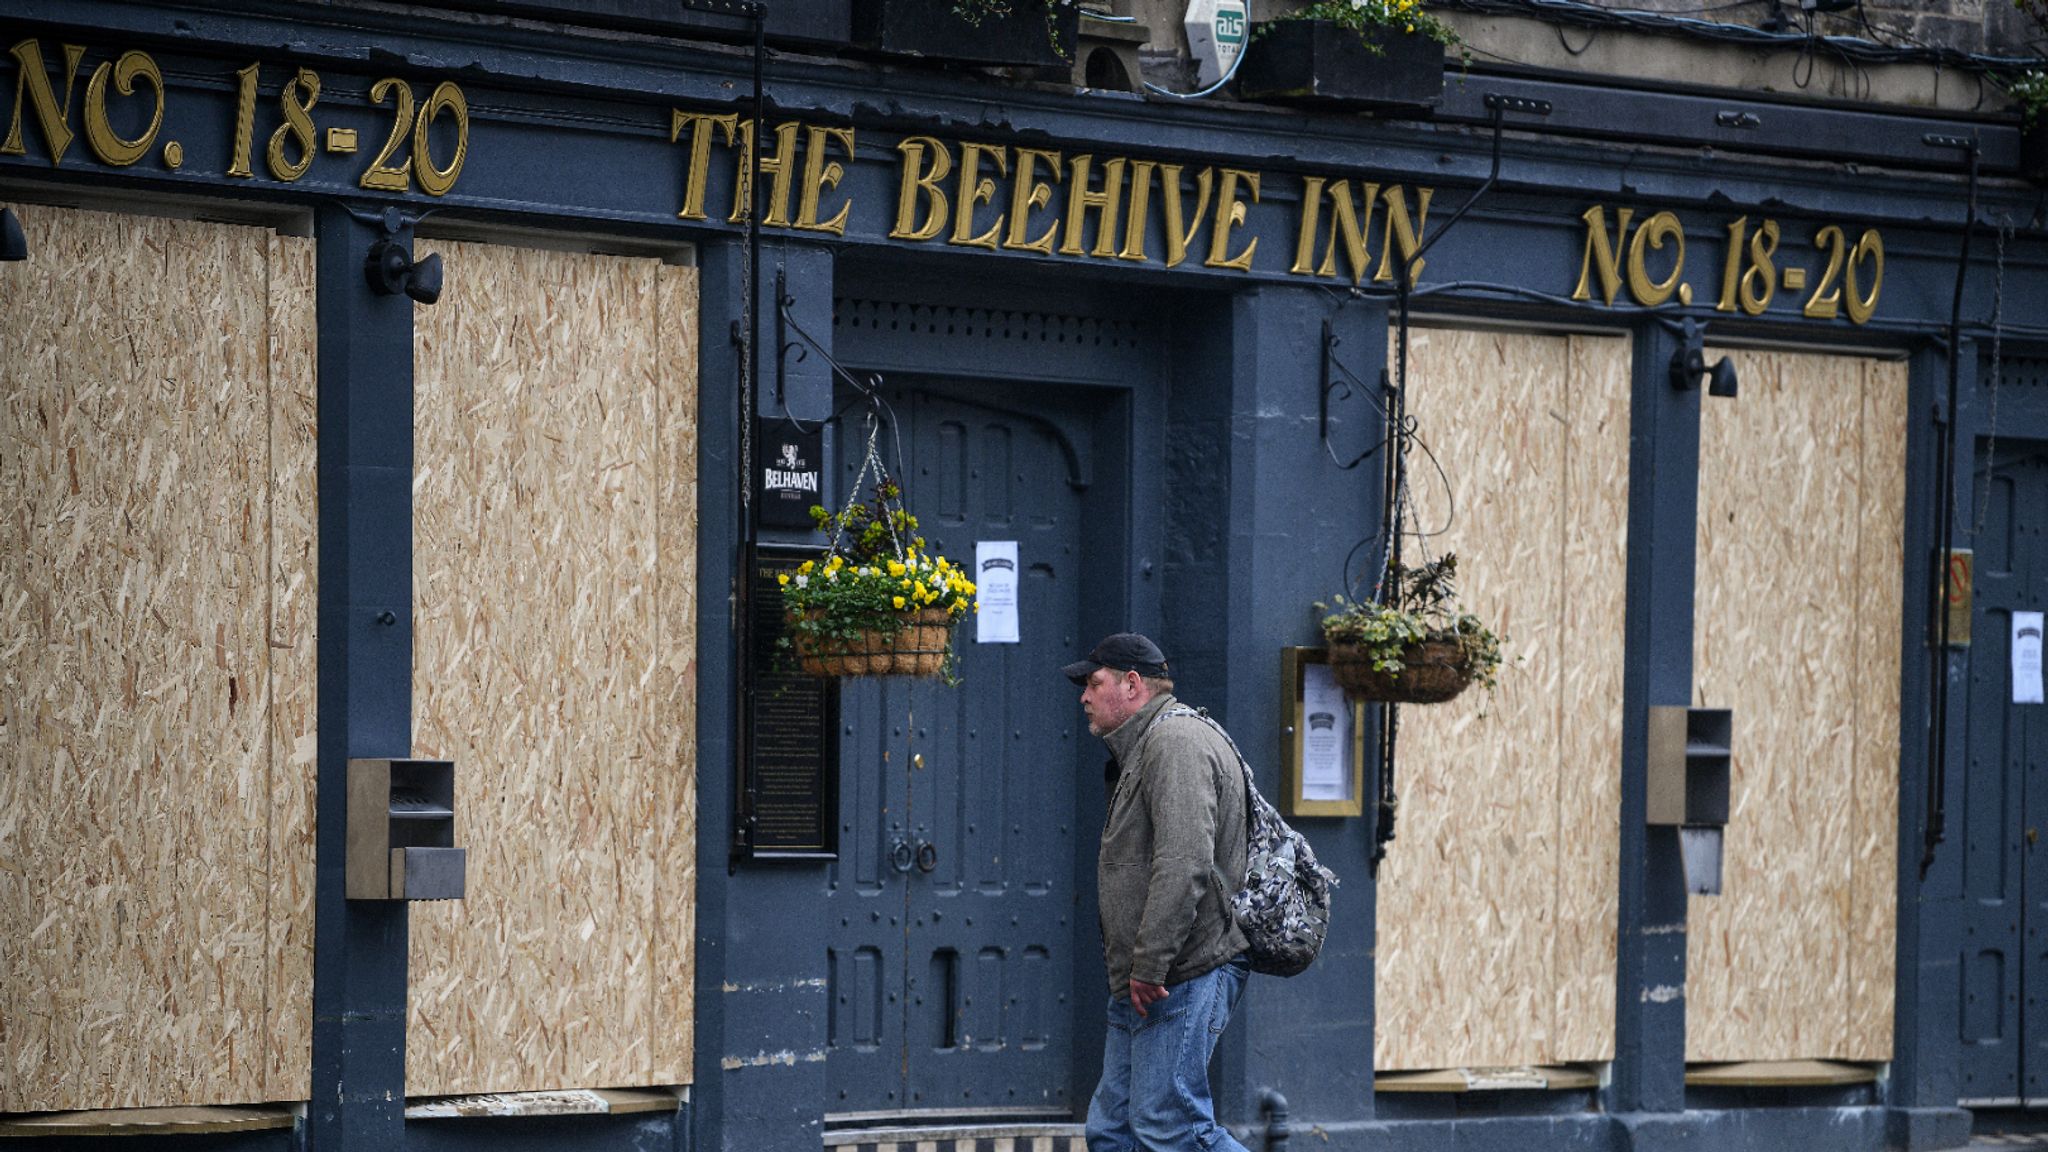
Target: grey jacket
(1173, 850)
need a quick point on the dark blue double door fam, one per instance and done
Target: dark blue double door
(952, 905)
(2004, 817)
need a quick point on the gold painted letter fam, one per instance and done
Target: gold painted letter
(1180, 236)
(1107, 205)
(699, 171)
(779, 168)
(1138, 217)
(1602, 252)
(35, 84)
(99, 130)
(1657, 229)
(1027, 192)
(916, 178)
(1400, 234)
(978, 189)
(1230, 214)
(818, 176)
(1354, 232)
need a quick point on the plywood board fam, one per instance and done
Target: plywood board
(554, 539)
(1474, 966)
(1880, 609)
(1796, 629)
(1589, 699)
(294, 582)
(136, 677)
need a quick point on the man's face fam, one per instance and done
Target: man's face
(1109, 698)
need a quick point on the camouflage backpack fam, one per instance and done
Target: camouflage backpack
(1284, 907)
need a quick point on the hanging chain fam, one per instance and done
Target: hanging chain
(871, 461)
(1997, 371)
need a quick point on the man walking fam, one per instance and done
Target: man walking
(1173, 851)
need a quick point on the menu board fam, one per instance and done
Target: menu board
(789, 793)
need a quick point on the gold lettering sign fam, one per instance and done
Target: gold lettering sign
(1753, 266)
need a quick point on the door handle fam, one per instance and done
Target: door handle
(927, 856)
(901, 854)
(2033, 835)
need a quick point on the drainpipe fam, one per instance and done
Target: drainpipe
(1273, 1106)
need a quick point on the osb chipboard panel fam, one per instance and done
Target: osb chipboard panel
(294, 573)
(675, 683)
(137, 362)
(554, 637)
(1475, 967)
(1797, 629)
(1880, 549)
(1589, 739)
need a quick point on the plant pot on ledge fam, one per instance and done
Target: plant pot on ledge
(1032, 34)
(1321, 62)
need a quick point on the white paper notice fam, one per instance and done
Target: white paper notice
(995, 581)
(2026, 658)
(1326, 736)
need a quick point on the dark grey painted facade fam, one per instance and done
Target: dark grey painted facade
(1209, 486)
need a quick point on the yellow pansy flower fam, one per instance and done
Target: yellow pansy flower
(899, 601)
(782, 578)
(896, 568)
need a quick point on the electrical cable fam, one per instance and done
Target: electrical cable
(1592, 15)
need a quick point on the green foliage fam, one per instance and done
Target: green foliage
(2030, 89)
(1419, 604)
(1366, 16)
(976, 11)
(876, 579)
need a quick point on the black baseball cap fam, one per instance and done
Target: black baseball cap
(1125, 652)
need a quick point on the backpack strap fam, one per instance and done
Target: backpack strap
(1251, 790)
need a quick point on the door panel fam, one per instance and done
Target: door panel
(2005, 801)
(977, 784)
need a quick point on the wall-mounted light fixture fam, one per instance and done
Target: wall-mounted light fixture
(1689, 365)
(391, 269)
(13, 244)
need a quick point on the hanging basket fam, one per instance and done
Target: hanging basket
(918, 648)
(1432, 672)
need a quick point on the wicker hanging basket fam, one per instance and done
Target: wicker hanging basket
(918, 648)
(1432, 672)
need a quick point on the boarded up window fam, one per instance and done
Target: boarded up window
(555, 639)
(1497, 901)
(156, 664)
(1798, 629)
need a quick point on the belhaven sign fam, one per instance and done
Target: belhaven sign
(791, 474)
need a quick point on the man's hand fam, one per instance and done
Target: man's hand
(1145, 995)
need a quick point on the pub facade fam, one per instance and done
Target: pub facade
(406, 413)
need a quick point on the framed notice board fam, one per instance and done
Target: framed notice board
(788, 797)
(1322, 736)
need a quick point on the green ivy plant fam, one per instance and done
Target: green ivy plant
(2030, 91)
(1418, 604)
(976, 11)
(1368, 16)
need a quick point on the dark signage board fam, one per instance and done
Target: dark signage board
(791, 474)
(789, 792)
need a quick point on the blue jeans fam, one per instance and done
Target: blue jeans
(1154, 1094)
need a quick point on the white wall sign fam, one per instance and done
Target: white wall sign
(2026, 658)
(995, 581)
(1217, 31)
(1326, 736)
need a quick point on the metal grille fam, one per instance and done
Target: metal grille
(990, 324)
